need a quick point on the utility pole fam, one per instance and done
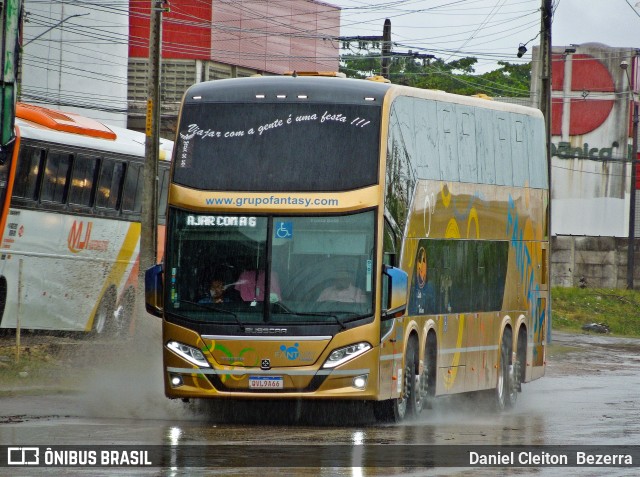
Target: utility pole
(545, 106)
(10, 20)
(634, 174)
(148, 219)
(386, 49)
(545, 83)
(386, 53)
(631, 242)
(632, 197)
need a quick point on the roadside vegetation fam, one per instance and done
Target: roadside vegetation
(34, 364)
(619, 310)
(456, 76)
(51, 360)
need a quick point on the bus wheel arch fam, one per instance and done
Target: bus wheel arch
(104, 320)
(505, 392)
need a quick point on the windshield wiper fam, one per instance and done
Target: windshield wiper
(208, 306)
(354, 316)
(319, 313)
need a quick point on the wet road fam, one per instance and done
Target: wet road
(590, 396)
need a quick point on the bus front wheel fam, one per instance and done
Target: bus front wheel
(409, 402)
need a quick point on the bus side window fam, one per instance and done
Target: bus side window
(82, 181)
(132, 196)
(56, 177)
(28, 169)
(110, 184)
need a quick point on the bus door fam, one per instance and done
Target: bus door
(391, 329)
(391, 340)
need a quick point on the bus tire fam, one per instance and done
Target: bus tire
(104, 321)
(396, 410)
(427, 382)
(417, 394)
(506, 392)
(521, 359)
(124, 313)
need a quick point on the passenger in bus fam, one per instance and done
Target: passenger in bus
(219, 293)
(343, 290)
(250, 286)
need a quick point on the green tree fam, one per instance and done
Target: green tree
(457, 76)
(360, 66)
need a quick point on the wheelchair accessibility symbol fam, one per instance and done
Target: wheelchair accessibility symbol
(284, 230)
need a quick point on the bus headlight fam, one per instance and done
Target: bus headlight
(191, 354)
(360, 382)
(342, 355)
(176, 380)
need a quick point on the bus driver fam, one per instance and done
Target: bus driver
(219, 293)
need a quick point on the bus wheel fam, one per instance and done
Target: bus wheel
(395, 410)
(506, 390)
(103, 321)
(417, 391)
(124, 313)
(521, 359)
(427, 385)
(424, 383)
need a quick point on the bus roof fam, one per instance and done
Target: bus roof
(287, 89)
(324, 89)
(70, 129)
(63, 121)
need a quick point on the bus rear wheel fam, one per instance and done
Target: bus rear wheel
(103, 321)
(506, 392)
(123, 314)
(409, 403)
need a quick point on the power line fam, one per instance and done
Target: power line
(110, 33)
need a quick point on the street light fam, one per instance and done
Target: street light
(632, 193)
(521, 50)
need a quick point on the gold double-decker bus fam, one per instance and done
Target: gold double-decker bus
(341, 239)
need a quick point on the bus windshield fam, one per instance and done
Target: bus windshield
(222, 269)
(278, 147)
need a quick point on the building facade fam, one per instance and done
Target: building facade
(74, 58)
(593, 90)
(219, 39)
(92, 59)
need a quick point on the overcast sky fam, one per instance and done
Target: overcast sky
(490, 30)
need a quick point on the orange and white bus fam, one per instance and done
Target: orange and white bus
(70, 191)
(374, 242)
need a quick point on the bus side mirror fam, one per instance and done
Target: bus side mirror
(395, 283)
(153, 290)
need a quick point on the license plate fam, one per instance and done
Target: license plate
(266, 382)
